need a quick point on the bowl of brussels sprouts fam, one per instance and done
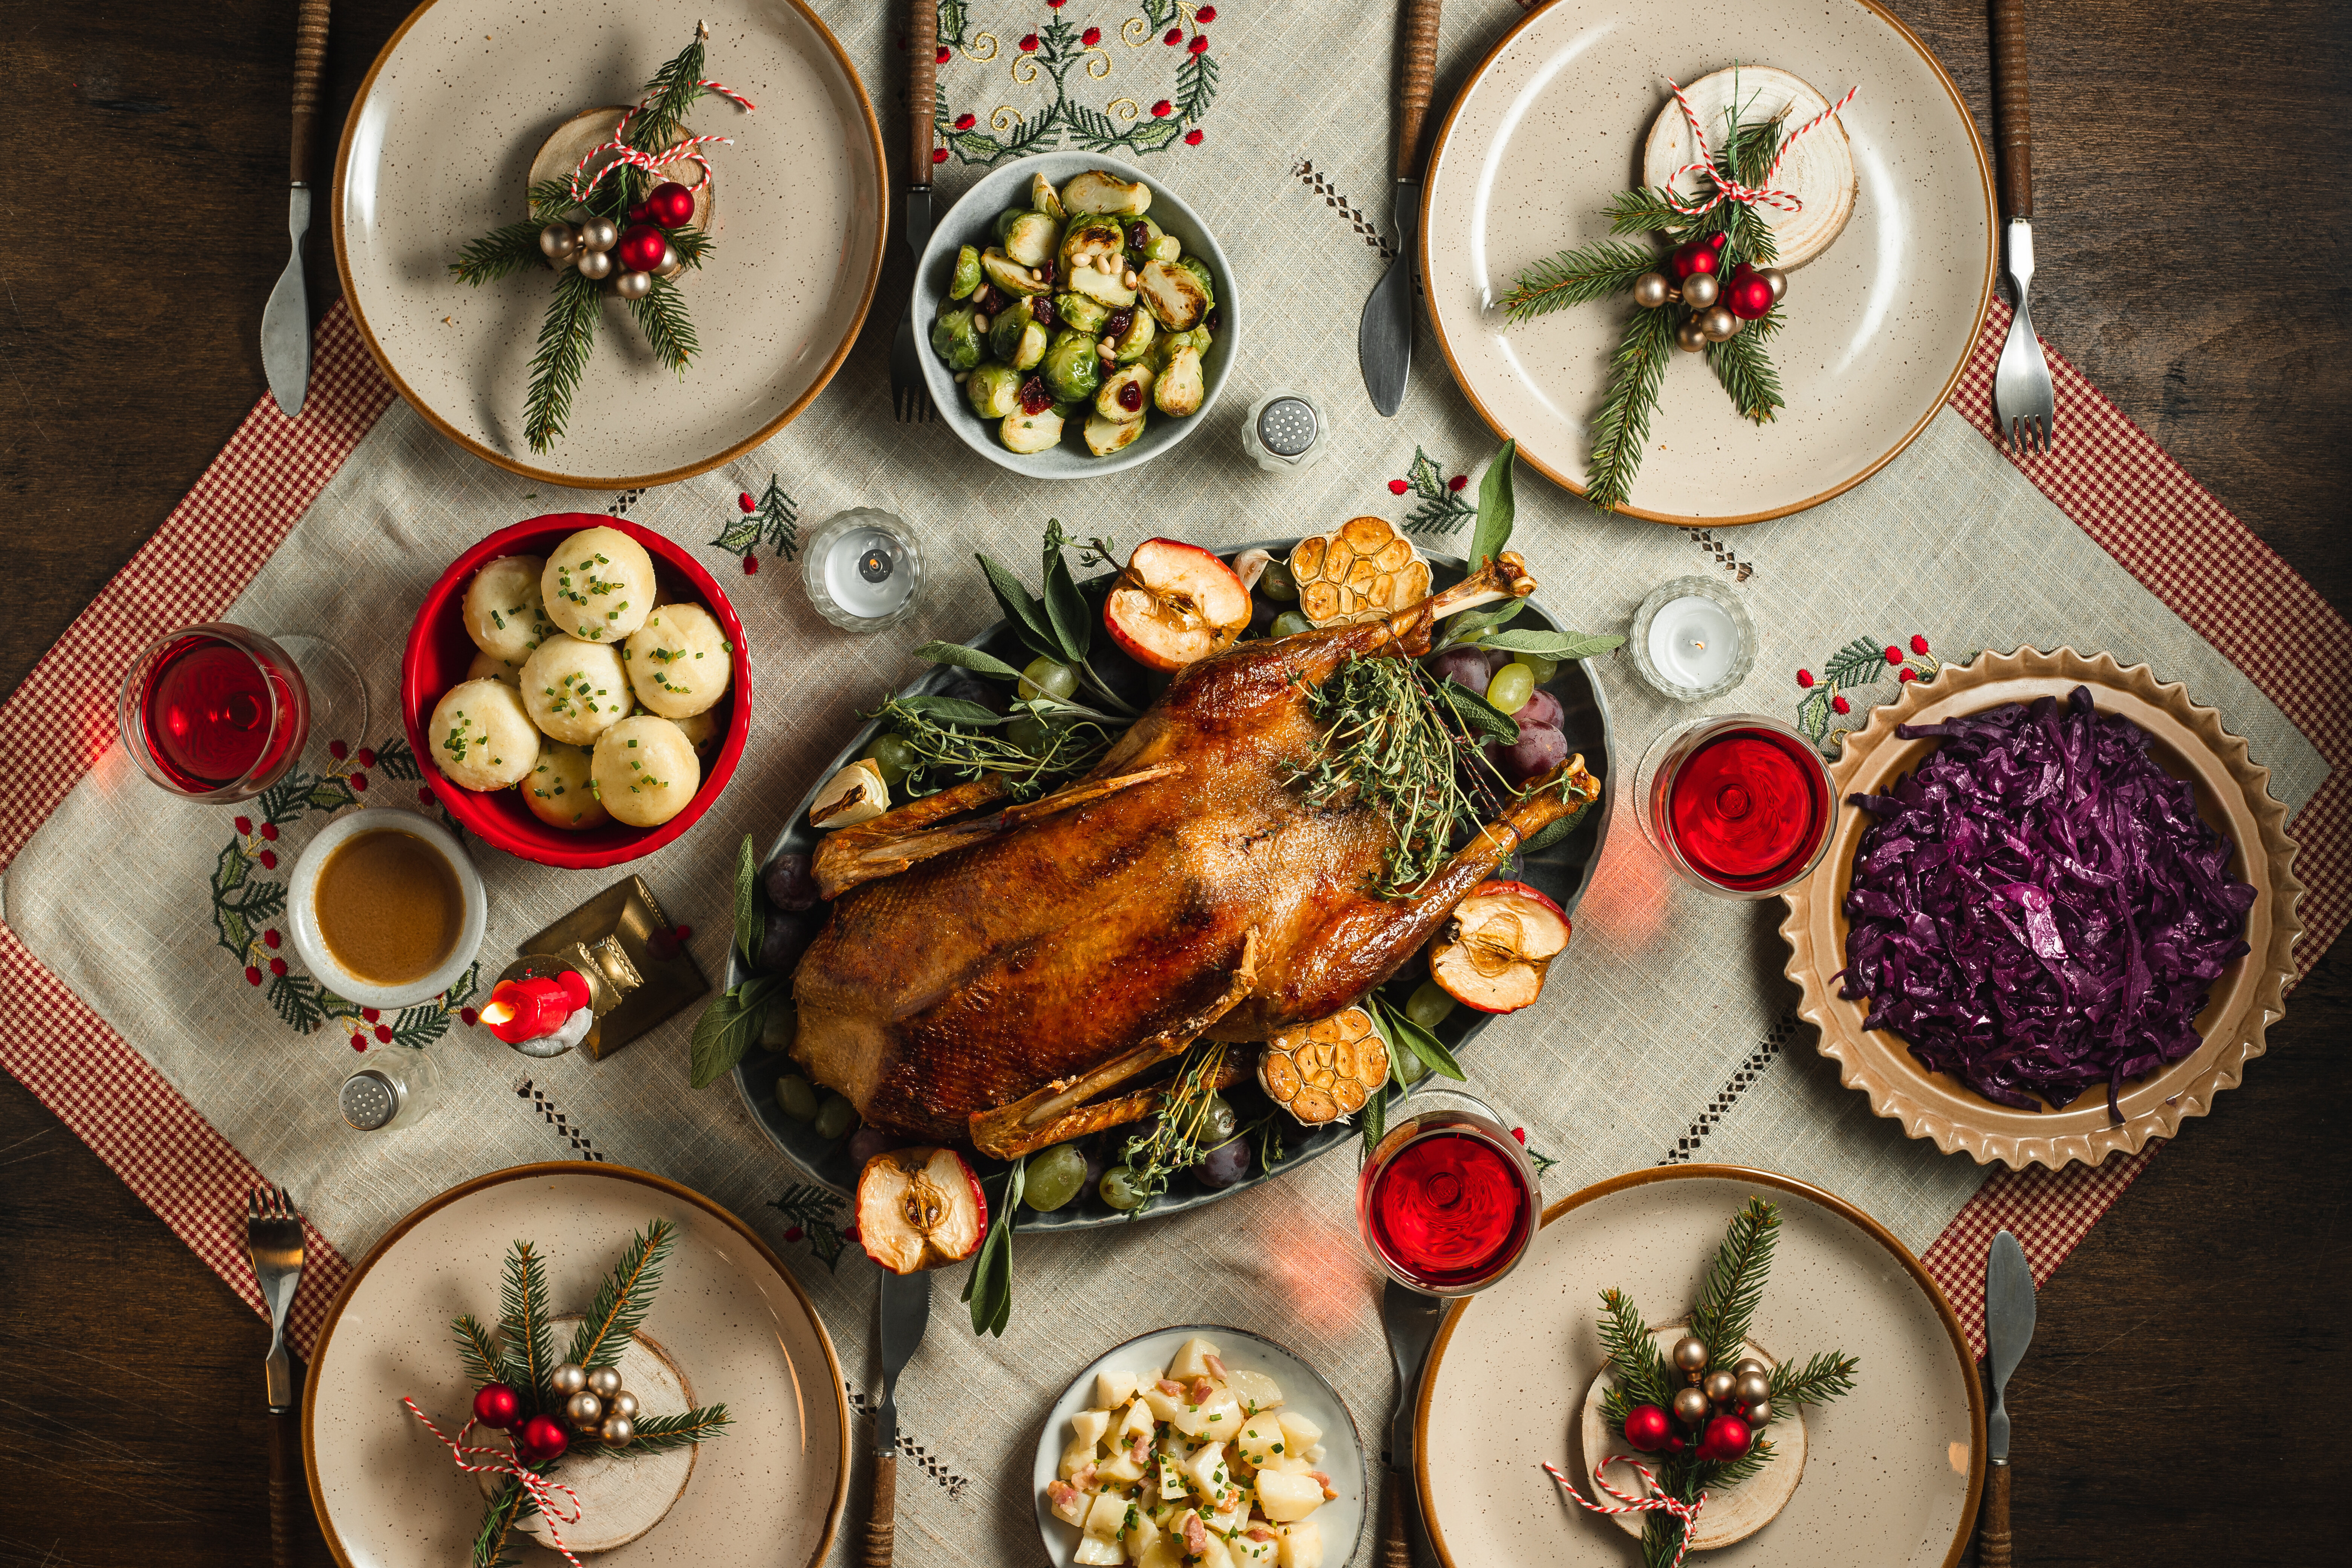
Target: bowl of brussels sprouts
(1080, 318)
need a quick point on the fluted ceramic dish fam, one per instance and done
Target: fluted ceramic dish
(438, 149)
(1551, 125)
(2233, 796)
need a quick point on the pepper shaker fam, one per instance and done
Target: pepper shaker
(398, 1090)
(1284, 432)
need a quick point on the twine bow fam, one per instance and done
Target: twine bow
(653, 163)
(1657, 1501)
(1727, 188)
(540, 1490)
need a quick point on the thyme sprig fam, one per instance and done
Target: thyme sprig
(1173, 1141)
(950, 752)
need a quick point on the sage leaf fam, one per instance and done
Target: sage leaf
(989, 1289)
(750, 924)
(970, 658)
(952, 709)
(1028, 615)
(1558, 830)
(1400, 1030)
(1480, 716)
(728, 1026)
(1555, 644)
(1495, 509)
(1065, 608)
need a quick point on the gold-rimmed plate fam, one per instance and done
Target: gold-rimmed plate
(1551, 125)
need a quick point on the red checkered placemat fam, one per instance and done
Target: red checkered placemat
(2106, 474)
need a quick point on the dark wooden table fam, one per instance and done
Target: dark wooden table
(2192, 227)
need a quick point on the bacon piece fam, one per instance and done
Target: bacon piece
(1196, 1534)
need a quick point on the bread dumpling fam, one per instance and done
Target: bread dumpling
(679, 661)
(702, 731)
(558, 790)
(598, 586)
(482, 738)
(575, 691)
(646, 771)
(490, 666)
(503, 611)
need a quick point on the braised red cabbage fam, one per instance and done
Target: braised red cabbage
(2040, 908)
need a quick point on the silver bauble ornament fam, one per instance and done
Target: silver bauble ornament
(557, 241)
(604, 1382)
(1775, 280)
(618, 1431)
(1718, 323)
(568, 1379)
(595, 264)
(1700, 290)
(622, 1406)
(1750, 1387)
(584, 1409)
(599, 234)
(634, 285)
(1688, 338)
(1650, 290)
(1717, 1386)
(1691, 1407)
(1759, 1413)
(1689, 1354)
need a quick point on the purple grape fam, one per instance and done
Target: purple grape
(786, 937)
(1465, 667)
(790, 886)
(1541, 710)
(1224, 1165)
(1538, 752)
(866, 1143)
(1261, 612)
(1096, 1163)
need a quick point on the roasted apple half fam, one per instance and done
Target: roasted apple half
(1175, 603)
(919, 1208)
(1493, 952)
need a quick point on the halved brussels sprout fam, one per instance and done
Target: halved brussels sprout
(1200, 270)
(1181, 386)
(1173, 295)
(1105, 437)
(1087, 241)
(966, 277)
(1125, 393)
(1105, 286)
(1165, 350)
(954, 338)
(1004, 224)
(1072, 370)
(1078, 311)
(994, 390)
(1009, 275)
(1031, 432)
(1017, 337)
(1030, 239)
(1096, 191)
(1045, 199)
(1167, 248)
(1135, 341)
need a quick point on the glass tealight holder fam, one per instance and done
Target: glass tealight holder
(1691, 639)
(1286, 431)
(863, 569)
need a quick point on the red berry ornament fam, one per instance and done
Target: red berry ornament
(1749, 298)
(542, 1438)
(669, 203)
(1646, 1428)
(1697, 257)
(1727, 1437)
(641, 248)
(496, 1405)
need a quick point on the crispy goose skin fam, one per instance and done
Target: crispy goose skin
(974, 978)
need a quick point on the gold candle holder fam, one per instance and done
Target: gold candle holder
(638, 974)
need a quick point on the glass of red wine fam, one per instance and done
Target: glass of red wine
(219, 714)
(1449, 1200)
(1739, 805)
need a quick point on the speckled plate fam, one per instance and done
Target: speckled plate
(438, 149)
(768, 1492)
(1551, 125)
(1892, 1469)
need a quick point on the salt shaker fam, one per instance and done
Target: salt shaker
(1284, 432)
(396, 1089)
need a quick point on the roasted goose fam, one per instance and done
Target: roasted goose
(981, 980)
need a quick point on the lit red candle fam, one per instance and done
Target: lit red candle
(535, 1007)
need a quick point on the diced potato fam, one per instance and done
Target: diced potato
(1193, 1361)
(1300, 1433)
(1137, 1421)
(1255, 1547)
(1261, 1441)
(1113, 1389)
(1255, 1390)
(1068, 1503)
(1164, 1407)
(1227, 1522)
(1217, 1420)
(1285, 1497)
(1173, 1485)
(1299, 1544)
(1141, 1535)
(1163, 1552)
(1215, 1556)
(1088, 1425)
(1118, 1468)
(1207, 1470)
(1099, 1551)
(1108, 1514)
(1076, 1457)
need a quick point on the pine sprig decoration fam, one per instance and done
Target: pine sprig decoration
(508, 1507)
(674, 88)
(1577, 278)
(480, 1350)
(1735, 1284)
(1747, 373)
(531, 1343)
(670, 331)
(622, 1299)
(1636, 372)
(501, 253)
(660, 1434)
(565, 337)
(1639, 1371)
(1825, 1377)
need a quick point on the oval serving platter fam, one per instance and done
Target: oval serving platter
(1563, 870)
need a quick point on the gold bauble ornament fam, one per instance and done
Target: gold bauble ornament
(568, 1379)
(557, 241)
(584, 1409)
(622, 1406)
(1691, 1407)
(619, 1430)
(1689, 1354)
(1775, 280)
(1750, 1387)
(1718, 323)
(598, 234)
(1759, 1413)
(595, 264)
(1701, 289)
(1717, 1386)
(1650, 290)
(604, 1382)
(634, 285)
(1688, 338)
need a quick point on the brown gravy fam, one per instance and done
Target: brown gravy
(389, 907)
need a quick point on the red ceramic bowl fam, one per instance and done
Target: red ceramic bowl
(440, 652)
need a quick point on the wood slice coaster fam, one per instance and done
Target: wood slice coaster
(560, 153)
(1819, 170)
(1729, 1516)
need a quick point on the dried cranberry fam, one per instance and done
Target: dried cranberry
(1045, 273)
(1213, 319)
(1034, 398)
(989, 300)
(1041, 310)
(1116, 327)
(1131, 396)
(1138, 237)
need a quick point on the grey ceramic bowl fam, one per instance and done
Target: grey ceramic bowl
(970, 221)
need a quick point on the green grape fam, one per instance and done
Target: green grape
(1030, 733)
(776, 1028)
(1053, 1178)
(797, 1097)
(1290, 623)
(1512, 685)
(834, 1116)
(893, 755)
(1410, 1068)
(1046, 677)
(1217, 1122)
(1276, 584)
(1117, 1189)
(1544, 669)
(1429, 1006)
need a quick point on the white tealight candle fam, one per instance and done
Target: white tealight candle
(863, 569)
(1694, 641)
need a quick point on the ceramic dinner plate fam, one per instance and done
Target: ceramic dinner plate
(438, 151)
(1304, 1389)
(1891, 1471)
(769, 1492)
(1551, 125)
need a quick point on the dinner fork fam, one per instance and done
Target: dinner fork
(910, 399)
(273, 1238)
(2022, 401)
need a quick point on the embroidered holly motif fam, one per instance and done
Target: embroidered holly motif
(774, 517)
(1045, 59)
(1860, 663)
(1441, 508)
(811, 1209)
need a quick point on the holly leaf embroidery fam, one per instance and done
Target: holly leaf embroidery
(331, 794)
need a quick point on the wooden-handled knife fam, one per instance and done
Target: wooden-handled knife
(285, 321)
(1384, 336)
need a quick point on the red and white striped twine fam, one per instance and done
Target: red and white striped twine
(1658, 1501)
(654, 163)
(541, 1488)
(1727, 189)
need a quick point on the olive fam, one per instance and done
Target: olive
(1117, 1189)
(1429, 1006)
(1512, 685)
(893, 755)
(1217, 1122)
(1047, 678)
(834, 1116)
(1053, 1178)
(796, 1097)
(1290, 623)
(1276, 583)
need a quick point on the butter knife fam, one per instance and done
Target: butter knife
(2009, 1329)
(902, 1311)
(1384, 336)
(285, 321)
(1409, 1319)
